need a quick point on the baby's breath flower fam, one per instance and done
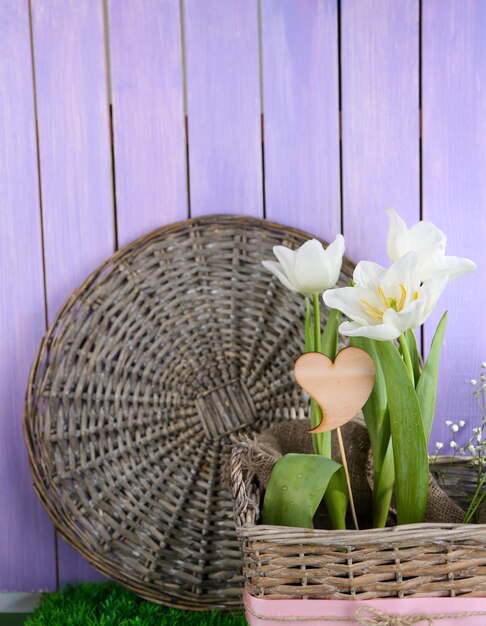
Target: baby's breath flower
(471, 448)
(483, 365)
(454, 428)
(473, 382)
(439, 445)
(453, 444)
(448, 423)
(462, 423)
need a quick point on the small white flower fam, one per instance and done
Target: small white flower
(471, 448)
(473, 382)
(439, 445)
(309, 269)
(453, 444)
(454, 428)
(483, 365)
(479, 436)
(462, 423)
(448, 423)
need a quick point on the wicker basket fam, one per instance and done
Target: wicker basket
(179, 341)
(418, 560)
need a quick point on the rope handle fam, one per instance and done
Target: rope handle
(243, 502)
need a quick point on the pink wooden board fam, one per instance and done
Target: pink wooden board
(454, 188)
(443, 611)
(301, 114)
(27, 551)
(148, 115)
(75, 161)
(223, 106)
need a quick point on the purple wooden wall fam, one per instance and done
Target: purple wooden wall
(117, 117)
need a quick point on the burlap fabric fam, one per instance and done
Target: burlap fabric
(266, 448)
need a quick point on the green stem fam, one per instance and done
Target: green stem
(475, 502)
(317, 323)
(319, 437)
(406, 356)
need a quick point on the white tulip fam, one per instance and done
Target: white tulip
(384, 303)
(429, 242)
(310, 269)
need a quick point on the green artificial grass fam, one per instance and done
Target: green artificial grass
(107, 604)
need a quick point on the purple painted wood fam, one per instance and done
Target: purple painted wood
(223, 104)
(74, 144)
(380, 120)
(454, 189)
(301, 109)
(27, 554)
(148, 115)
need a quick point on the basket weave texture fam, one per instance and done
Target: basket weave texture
(416, 560)
(174, 345)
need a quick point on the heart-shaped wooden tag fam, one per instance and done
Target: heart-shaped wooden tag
(340, 388)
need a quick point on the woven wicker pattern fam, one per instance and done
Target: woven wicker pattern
(416, 560)
(179, 341)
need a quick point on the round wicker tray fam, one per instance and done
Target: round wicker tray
(172, 346)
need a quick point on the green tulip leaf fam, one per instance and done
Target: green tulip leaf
(408, 436)
(377, 419)
(414, 354)
(337, 499)
(427, 385)
(375, 408)
(384, 481)
(296, 487)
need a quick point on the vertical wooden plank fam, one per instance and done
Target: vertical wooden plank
(454, 190)
(301, 109)
(380, 120)
(75, 158)
(223, 104)
(27, 551)
(148, 115)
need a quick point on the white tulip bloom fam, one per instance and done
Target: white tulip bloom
(429, 242)
(310, 269)
(384, 303)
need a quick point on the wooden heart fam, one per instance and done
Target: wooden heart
(340, 388)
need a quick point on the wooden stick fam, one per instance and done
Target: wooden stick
(348, 481)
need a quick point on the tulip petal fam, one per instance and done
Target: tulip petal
(349, 300)
(427, 239)
(408, 318)
(276, 269)
(452, 266)
(312, 267)
(430, 292)
(334, 253)
(381, 332)
(398, 242)
(403, 272)
(369, 275)
(286, 257)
